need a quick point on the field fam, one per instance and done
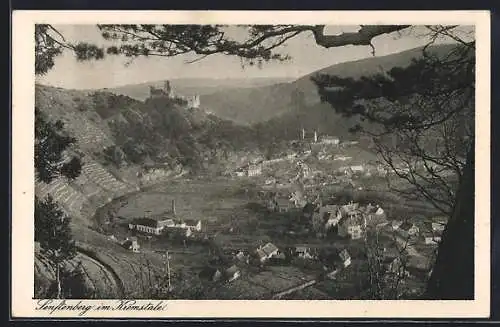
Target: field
(261, 285)
(233, 218)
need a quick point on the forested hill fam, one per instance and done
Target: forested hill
(258, 104)
(119, 131)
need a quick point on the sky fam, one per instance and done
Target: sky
(306, 56)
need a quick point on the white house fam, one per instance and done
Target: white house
(146, 225)
(193, 224)
(254, 170)
(330, 140)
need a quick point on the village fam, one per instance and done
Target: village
(311, 239)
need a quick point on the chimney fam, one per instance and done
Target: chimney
(173, 207)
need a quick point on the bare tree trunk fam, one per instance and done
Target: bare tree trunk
(453, 273)
(58, 280)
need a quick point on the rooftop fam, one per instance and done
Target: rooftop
(191, 222)
(145, 222)
(269, 248)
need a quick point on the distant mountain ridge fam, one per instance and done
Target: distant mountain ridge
(255, 100)
(192, 86)
(258, 104)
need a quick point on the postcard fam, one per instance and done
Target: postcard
(225, 164)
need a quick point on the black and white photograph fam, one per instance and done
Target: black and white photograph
(241, 161)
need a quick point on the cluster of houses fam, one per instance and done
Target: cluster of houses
(267, 253)
(352, 220)
(430, 232)
(348, 220)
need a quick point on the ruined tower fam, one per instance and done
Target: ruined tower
(167, 88)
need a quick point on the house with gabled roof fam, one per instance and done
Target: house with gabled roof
(267, 251)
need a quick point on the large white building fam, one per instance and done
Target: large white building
(330, 140)
(147, 225)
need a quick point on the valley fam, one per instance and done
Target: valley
(227, 191)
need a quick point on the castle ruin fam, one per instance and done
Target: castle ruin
(193, 101)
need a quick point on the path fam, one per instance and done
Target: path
(293, 289)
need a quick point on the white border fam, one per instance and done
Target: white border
(23, 178)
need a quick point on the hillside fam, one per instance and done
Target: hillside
(191, 86)
(258, 104)
(118, 139)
